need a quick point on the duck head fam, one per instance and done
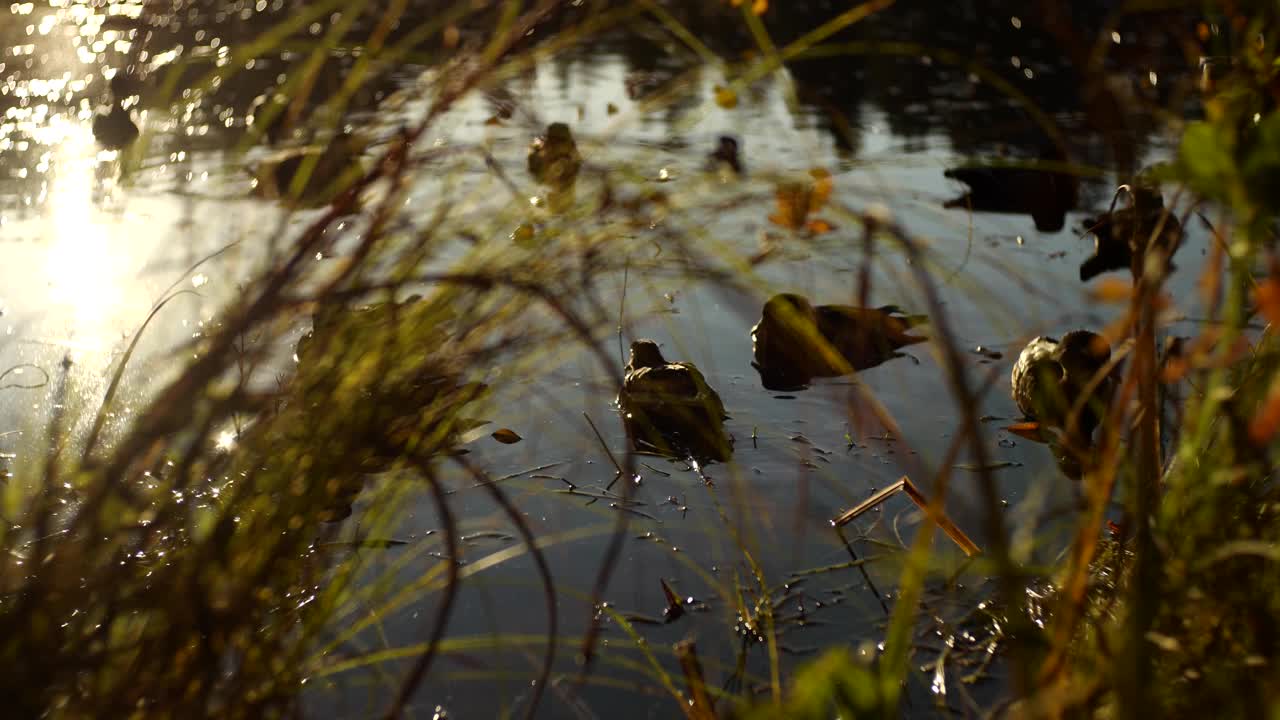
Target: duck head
(1083, 354)
(645, 354)
(559, 133)
(786, 309)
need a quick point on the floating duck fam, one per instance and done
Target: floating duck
(1052, 377)
(670, 407)
(1123, 237)
(554, 158)
(795, 341)
(115, 129)
(1045, 195)
(726, 156)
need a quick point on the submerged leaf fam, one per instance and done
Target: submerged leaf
(506, 436)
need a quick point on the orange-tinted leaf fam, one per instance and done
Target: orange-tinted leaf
(818, 226)
(822, 185)
(1267, 296)
(506, 436)
(1028, 430)
(1112, 290)
(493, 121)
(760, 7)
(793, 206)
(1267, 420)
(725, 97)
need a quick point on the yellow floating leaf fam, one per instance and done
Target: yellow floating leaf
(760, 7)
(506, 436)
(726, 98)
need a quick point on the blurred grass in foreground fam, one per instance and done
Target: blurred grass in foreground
(134, 586)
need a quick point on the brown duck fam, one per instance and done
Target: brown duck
(796, 341)
(669, 406)
(1123, 237)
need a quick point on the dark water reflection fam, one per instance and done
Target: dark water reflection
(90, 239)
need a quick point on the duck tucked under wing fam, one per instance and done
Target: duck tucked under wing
(1036, 373)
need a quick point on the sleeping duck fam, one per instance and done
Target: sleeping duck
(1052, 377)
(795, 341)
(554, 158)
(670, 407)
(1122, 238)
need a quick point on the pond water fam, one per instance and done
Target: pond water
(91, 239)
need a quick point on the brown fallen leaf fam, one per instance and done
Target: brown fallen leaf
(506, 436)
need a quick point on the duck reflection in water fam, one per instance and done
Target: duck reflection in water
(796, 341)
(669, 408)
(1124, 237)
(1046, 195)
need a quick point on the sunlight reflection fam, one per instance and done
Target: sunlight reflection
(83, 273)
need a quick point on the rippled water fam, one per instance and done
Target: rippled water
(91, 239)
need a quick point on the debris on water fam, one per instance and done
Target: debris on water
(675, 607)
(999, 465)
(987, 352)
(1006, 443)
(506, 436)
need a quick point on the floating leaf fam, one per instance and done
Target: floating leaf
(451, 36)
(493, 120)
(1112, 290)
(523, 235)
(726, 98)
(818, 226)
(506, 436)
(611, 109)
(1028, 430)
